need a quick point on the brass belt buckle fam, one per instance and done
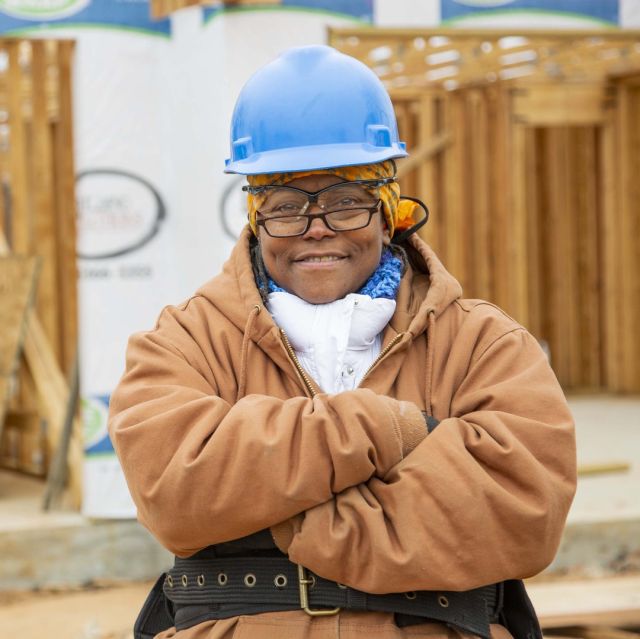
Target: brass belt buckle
(303, 583)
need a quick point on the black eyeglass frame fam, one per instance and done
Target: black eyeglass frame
(372, 210)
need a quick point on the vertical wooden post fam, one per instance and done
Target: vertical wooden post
(45, 245)
(66, 207)
(455, 189)
(517, 247)
(535, 233)
(611, 277)
(629, 226)
(427, 184)
(479, 209)
(587, 258)
(500, 158)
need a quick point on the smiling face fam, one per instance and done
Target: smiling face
(322, 265)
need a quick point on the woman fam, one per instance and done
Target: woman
(329, 438)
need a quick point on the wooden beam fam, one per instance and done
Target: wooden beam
(426, 151)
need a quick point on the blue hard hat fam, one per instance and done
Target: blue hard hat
(312, 108)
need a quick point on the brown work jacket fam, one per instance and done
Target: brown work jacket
(221, 434)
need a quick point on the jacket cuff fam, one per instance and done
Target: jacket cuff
(283, 532)
(410, 424)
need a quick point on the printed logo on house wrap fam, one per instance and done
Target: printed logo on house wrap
(42, 9)
(95, 413)
(118, 213)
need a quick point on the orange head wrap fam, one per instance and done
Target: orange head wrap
(398, 213)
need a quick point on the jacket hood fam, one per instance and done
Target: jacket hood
(426, 288)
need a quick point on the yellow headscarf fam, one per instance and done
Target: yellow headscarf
(398, 213)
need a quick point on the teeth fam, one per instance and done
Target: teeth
(322, 258)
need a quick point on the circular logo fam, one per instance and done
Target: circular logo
(41, 9)
(118, 213)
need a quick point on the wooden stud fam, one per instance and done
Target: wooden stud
(609, 299)
(427, 185)
(66, 210)
(518, 245)
(626, 226)
(501, 189)
(480, 207)
(48, 301)
(588, 257)
(535, 232)
(454, 167)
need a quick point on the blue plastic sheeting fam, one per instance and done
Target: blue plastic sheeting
(358, 9)
(603, 10)
(123, 14)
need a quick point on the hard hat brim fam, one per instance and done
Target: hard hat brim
(312, 158)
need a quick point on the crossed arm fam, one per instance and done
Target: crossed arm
(481, 499)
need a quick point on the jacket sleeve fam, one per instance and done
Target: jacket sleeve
(202, 470)
(482, 499)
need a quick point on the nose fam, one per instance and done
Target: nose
(318, 230)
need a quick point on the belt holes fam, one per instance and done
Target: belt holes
(410, 595)
(443, 601)
(312, 579)
(200, 580)
(250, 580)
(222, 579)
(170, 581)
(184, 580)
(280, 581)
(342, 586)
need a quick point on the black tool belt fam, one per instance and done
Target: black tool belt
(219, 588)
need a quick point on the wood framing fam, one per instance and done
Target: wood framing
(17, 284)
(531, 179)
(37, 219)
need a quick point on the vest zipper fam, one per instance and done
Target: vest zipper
(292, 354)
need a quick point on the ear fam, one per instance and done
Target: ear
(386, 236)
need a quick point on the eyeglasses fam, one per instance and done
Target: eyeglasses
(346, 206)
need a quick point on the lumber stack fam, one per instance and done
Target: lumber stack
(525, 147)
(38, 220)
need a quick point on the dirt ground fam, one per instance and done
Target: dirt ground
(104, 612)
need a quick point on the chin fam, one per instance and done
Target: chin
(320, 297)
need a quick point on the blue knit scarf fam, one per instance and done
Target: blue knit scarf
(384, 281)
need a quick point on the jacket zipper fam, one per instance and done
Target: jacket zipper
(383, 352)
(292, 354)
(303, 373)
